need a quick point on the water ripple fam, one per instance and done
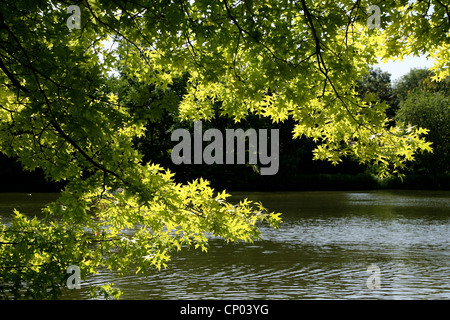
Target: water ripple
(321, 251)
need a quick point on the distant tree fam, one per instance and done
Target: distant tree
(430, 110)
(430, 85)
(410, 82)
(378, 84)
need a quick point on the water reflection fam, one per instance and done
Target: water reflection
(321, 251)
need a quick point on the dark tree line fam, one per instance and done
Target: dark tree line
(415, 99)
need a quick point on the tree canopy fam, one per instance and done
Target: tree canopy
(279, 59)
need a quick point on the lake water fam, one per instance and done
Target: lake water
(323, 250)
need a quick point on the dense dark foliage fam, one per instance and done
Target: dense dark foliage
(415, 98)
